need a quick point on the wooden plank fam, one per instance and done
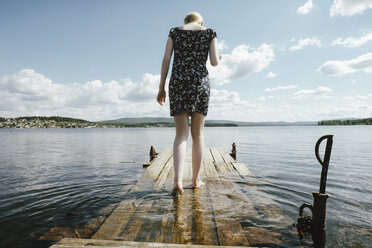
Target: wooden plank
(114, 224)
(117, 221)
(134, 224)
(203, 224)
(226, 156)
(228, 160)
(157, 165)
(210, 170)
(262, 237)
(222, 167)
(164, 172)
(80, 243)
(182, 204)
(152, 229)
(229, 230)
(267, 209)
(242, 169)
(207, 156)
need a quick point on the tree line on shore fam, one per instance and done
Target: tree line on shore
(366, 121)
(67, 122)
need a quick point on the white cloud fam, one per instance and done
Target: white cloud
(29, 93)
(349, 7)
(353, 42)
(306, 8)
(352, 110)
(359, 97)
(339, 68)
(221, 45)
(263, 98)
(354, 81)
(306, 42)
(271, 75)
(319, 92)
(225, 104)
(356, 97)
(285, 87)
(370, 95)
(241, 62)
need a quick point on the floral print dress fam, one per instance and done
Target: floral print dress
(189, 89)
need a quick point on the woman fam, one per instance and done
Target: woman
(188, 89)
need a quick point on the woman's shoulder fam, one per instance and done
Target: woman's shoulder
(181, 28)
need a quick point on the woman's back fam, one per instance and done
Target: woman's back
(191, 47)
(189, 83)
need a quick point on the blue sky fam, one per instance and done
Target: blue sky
(283, 60)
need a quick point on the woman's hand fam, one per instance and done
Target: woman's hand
(161, 96)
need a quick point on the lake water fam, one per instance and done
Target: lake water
(63, 177)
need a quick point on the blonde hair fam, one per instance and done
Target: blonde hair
(192, 17)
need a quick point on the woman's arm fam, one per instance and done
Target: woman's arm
(214, 57)
(164, 70)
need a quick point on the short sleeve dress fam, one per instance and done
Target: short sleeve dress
(189, 89)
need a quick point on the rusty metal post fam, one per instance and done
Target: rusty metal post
(316, 224)
(320, 198)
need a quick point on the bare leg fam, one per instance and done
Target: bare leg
(181, 122)
(197, 132)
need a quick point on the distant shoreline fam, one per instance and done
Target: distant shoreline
(32, 122)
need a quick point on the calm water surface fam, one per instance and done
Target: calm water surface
(48, 173)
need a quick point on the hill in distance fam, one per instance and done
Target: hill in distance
(208, 122)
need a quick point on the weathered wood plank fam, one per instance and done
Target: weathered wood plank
(203, 227)
(157, 165)
(228, 160)
(222, 167)
(164, 172)
(152, 229)
(207, 156)
(117, 221)
(182, 218)
(79, 243)
(134, 224)
(229, 230)
(210, 170)
(217, 213)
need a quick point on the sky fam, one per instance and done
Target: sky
(282, 60)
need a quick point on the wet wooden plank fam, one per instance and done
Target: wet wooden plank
(222, 167)
(229, 230)
(208, 165)
(217, 213)
(153, 228)
(241, 168)
(207, 156)
(204, 231)
(118, 220)
(115, 223)
(135, 222)
(157, 165)
(164, 173)
(182, 222)
(80, 243)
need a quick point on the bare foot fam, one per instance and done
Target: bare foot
(177, 188)
(197, 184)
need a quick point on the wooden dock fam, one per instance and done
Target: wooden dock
(229, 210)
